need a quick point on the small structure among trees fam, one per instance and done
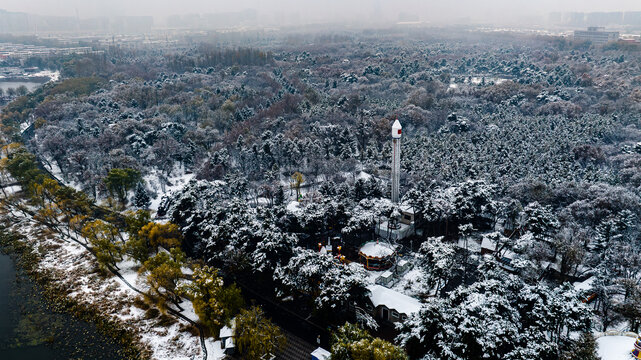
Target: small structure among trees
(400, 225)
(377, 255)
(390, 305)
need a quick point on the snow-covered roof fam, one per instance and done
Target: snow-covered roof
(376, 249)
(363, 175)
(402, 232)
(488, 243)
(407, 208)
(321, 354)
(227, 331)
(473, 245)
(402, 303)
(615, 347)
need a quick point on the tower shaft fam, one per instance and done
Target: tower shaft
(396, 168)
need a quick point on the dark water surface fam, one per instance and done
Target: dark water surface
(31, 85)
(31, 330)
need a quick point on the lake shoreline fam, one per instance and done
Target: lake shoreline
(27, 261)
(31, 79)
(72, 273)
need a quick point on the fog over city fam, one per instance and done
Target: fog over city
(305, 11)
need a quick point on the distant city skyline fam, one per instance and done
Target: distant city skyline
(328, 10)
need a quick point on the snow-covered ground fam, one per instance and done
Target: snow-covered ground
(176, 183)
(615, 347)
(53, 75)
(584, 285)
(294, 207)
(152, 180)
(411, 283)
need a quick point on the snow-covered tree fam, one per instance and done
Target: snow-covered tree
(304, 272)
(499, 316)
(341, 287)
(438, 262)
(141, 197)
(273, 249)
(539, 220)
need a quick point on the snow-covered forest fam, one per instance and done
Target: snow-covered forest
(263, 161)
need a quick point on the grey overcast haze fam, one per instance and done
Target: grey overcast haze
(322, 11)
(320, 179)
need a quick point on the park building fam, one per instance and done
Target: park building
(377, 255)
(596, 35)
(391, 306)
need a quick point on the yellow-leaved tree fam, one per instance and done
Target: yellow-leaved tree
(214, 303)
(297, 180)
(167, 235)
(255, 335)
(164, 270)
(350, 342)
(104, 240)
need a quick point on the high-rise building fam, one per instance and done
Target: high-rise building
(14, 22)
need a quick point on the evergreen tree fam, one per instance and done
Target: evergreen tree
(327, 188)
(498, 317)
(438, 262)
(141, 197)
(584, 348)
(120, 181)
(279, 197)
(137, 247)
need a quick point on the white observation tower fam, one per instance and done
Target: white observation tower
(396, 160)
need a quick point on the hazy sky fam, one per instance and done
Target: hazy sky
(320, 9)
